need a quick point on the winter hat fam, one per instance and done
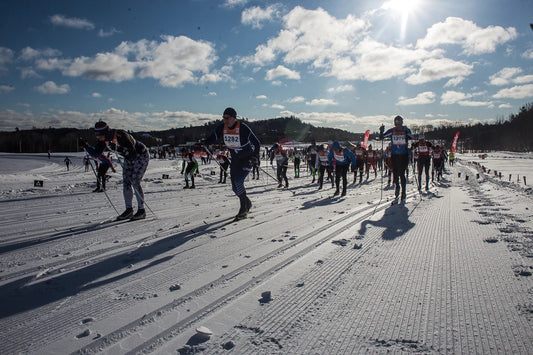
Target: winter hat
(230, 111)
(336, 145)
(398, 119)
(101, 127)
(421, 136)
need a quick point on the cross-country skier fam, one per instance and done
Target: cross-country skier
(223, 162)
(423, 150)
(190, 171)
(323, 166)
(244, 148)
(297, 156)
(360, 156)
(399, 136)
(312, 156)
(343, 159)
(136, 158)
(86, 163)
(282, 163)
(451, 158)
(370, 161)
(438, 162)
(67, 163)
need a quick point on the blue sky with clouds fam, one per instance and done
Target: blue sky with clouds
(153, 65)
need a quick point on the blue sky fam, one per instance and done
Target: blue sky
(154, 65)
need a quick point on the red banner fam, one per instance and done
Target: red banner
(365, 141)
(454, 143)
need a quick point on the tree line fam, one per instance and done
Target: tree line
(514, 134)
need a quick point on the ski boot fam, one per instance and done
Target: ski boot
(141, 214)
(127, 214)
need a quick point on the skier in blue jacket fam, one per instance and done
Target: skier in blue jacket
(342, 158)
(244, 149)
(399, 136)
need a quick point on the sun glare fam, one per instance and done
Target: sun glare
(403, 6)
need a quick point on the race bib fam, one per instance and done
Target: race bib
(339, 157)
(423, 149)
(232, 140)
(399, 139)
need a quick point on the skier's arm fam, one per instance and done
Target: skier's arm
(388, 133)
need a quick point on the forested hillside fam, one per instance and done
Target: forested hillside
(513, 134)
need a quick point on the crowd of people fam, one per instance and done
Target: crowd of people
(241, 153)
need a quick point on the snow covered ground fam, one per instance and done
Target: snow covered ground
(448, 272)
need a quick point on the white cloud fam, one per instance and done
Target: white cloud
(116, 118)
(261, 97)
(212, 93)
(435, 69)
(310, 36)
(528, 54)
(296, 99)
(423, 98)
(469, 103)
(111, 32)
(342, 88)
(452, 97)
(173, 61)
(255, 16)
(508, 76)
(505, 106)
(234, 3)
(321, 102)
(4, 89)
(27, 73)
(50, 87)
(473, 39)
(462, 99)
(516, 92)
(29, 53)
(104, 66)
(52, 63)
(277, 106)
(281, 71)
(71, 22)
(6, 57)
(504, 76)
(96, 95)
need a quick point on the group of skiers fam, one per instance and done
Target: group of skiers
(243, 156)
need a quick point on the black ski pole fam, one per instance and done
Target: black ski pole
(96, 176)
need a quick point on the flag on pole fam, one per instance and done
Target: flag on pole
(454, 143)
(365, 141)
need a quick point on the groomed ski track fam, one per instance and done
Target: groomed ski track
(347, 275)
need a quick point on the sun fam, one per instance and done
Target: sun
(402, 6)
(402, 10)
